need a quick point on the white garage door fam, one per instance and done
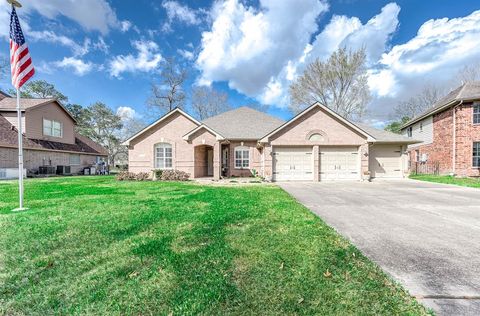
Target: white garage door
(339, 163)
(292, 164)
(385, 161)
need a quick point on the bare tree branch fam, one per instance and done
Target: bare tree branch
(419, 103)
(207, 102)
(339, 83)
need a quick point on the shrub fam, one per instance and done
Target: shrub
(157, 173)
(141, 176)
(131, 176)
(173, 175)
(125, 175)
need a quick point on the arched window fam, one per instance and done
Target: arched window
(242, 157)
(316, 137)
(163, 156)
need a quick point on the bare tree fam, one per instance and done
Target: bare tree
(169, 93)
(419, 103)
(207, 102)
(468, 73)
(339, 83)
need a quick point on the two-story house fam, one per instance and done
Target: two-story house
(450, 133)
(49, 138)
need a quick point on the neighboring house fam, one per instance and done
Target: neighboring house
(49, 138)
(450, 133)
(317, 144)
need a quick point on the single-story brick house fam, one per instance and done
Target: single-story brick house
(450, 133)
(49, 139)
(317, 144)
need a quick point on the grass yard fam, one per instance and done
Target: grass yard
(464, 182)
(92, 245)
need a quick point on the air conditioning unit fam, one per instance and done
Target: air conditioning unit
(46, 170)
(63, 170)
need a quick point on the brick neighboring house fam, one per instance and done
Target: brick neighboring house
(49, 138)
(450, 133)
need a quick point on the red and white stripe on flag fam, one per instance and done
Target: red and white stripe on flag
(20, 61)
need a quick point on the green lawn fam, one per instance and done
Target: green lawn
(92, 245)
(464, 182)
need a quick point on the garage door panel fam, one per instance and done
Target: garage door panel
(339, 163)
(385, 161)
(293, 164)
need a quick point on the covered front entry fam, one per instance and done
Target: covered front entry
(386, 161)
(203, 164)
(339, 163)
(292, 164)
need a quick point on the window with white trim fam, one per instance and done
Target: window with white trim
(74, 160)
(52, 128)
(242, 157)
(476, 113)
(163, 156)
(409, 131)
(476, 154)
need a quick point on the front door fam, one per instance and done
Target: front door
(210, 163)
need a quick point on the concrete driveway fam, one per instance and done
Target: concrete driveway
(427, 236)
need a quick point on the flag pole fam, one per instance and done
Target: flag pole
(15, 3)
(20, 154)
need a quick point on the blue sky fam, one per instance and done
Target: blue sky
(111, 51)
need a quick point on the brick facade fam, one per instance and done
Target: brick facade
(441, 149)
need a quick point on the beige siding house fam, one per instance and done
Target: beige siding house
(49, 139)
(315, 145)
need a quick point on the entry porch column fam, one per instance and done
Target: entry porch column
(217, 160)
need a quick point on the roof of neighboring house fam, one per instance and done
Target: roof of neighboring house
(466, 92)
(9, 138)
(382, 136)
(3, 95)
(10, 104)
(243, 123)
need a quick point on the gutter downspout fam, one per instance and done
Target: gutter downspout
(454, 143)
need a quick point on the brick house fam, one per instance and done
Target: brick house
(49, 139)
(315, 145)
(450, 133)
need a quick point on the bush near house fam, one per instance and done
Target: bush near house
(171, 175)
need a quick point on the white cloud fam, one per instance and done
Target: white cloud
(188, 55)
(126, 113)
(79, 67)
(248, 47)
(179, 12)
(101, 45)
(434, 56)
(147, 59)
(51, 37)
(125, 26)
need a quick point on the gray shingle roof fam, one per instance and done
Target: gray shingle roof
(25, 103)
(467, 91)
(385, 136)
(243, 123)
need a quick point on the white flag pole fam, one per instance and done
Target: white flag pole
(20, 152)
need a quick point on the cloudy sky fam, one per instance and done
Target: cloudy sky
(111, 51)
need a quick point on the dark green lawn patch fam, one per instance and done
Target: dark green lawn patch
(464, 182)
(93, 245)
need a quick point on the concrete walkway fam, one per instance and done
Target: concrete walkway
(427, 236)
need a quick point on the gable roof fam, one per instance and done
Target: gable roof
(9, 138)
(466, 92)
(161, 119)
(243, 123)
(308, 109)
(3, 95)
(10, 104)
(199, 127)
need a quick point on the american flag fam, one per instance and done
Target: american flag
(20, 61)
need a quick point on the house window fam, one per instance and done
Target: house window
(417, 155)
(476, 113)
(242, 157)
(52, 128)
(317, 137)
(476, 154)
(74, 160)
(421, 126)
(409, 131)
(163, 156)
